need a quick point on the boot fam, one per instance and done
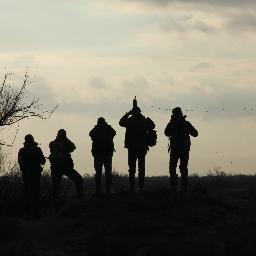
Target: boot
(131, 182)
(184, 183)
(184, 178)
(108, 183)
(173, 182)
(98, 184)
(141, 181)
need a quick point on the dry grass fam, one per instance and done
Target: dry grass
(217, 217)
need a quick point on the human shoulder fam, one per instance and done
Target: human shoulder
(191, 129)
(21, 150)
(111, 129)
(150, 123)
(93, 130)
(52, 143)
(38, 148)
(188, 123)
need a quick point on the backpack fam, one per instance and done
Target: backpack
(103, 142)
(56, 150)
(151, 138)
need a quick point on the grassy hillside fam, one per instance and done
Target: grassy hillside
(217, 217)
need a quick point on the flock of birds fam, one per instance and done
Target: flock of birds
(205, 111)
(222, 109)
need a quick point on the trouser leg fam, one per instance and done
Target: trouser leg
(26, 196)
(32, 194)
(77, 178)
(141, 169)
(132, 157)
(56, 181)
(184, 169)
(98, 164)
(174, 157)
(108, 172)
(36, 198)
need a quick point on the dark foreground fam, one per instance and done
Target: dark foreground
(213, 219)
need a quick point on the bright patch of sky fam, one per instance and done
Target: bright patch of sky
(93, 57)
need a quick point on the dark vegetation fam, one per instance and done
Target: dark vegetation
(216, 217)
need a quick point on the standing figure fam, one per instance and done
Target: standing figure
(102, 136)
(62, 163)
(136, 141)
(179, 131)
(30, 159)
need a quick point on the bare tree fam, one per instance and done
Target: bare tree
(16, 105)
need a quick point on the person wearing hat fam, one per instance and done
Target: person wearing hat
(137, 127)
(30, 159)
(62, 163)
(102, 136)
(179, 131)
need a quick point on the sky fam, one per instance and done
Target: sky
(93, 57)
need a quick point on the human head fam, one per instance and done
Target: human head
(177, 112)
(101, 121)
(61, 134)
(136, 111)
(29, 139)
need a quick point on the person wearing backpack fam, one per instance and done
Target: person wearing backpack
(102, 136)
(179, 131)
(62, 163)
(137, 142)
(30, 159)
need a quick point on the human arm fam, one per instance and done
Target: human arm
(192, 130)
(41, 157)
(69, 146)
(92, 133)
(169, 129)
(150, 124)
(124, 120)
(20, 157)
(113, 132)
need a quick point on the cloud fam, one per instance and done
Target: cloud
(41, 88)
(101, 107)
(202, 66)
(179, 24)
(242, 22)
(228, 3)
(97, 82)
(135, 84)
(217, 101)
(207, 97)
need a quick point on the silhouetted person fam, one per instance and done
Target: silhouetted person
(62, 163)
(102, 136)
(30, 159)
(137, 127)
(179, 131)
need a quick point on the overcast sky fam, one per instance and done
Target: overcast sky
(93, 57)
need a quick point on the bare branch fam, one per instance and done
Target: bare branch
(15, 105)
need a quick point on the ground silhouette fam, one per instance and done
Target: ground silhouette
(217, 217)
